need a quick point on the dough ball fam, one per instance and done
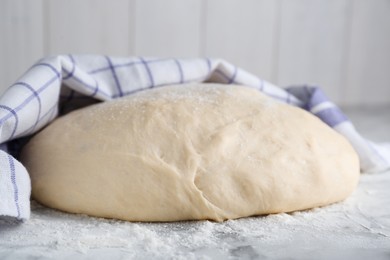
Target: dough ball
(189, 152)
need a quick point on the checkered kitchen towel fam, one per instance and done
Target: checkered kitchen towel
(55, 83)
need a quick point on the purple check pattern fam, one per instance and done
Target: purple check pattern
(54, 84)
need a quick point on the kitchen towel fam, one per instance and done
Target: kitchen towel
(58, 84)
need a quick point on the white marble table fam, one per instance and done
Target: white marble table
(358, 228)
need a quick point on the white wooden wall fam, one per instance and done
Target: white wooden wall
(341, 45)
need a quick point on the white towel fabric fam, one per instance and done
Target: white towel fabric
(59, 83)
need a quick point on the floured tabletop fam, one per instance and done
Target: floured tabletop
(357, 228)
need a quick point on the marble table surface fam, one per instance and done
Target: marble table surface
(357, 228)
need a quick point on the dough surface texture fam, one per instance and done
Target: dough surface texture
(197, 151)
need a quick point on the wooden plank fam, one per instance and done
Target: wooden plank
(167, 28)
(311, 48)
(21, 32)
(244, 33)
(90, 26)
(368, 74)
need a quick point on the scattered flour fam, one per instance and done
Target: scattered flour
(360, 225)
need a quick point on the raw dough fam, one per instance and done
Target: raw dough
(202, 151)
